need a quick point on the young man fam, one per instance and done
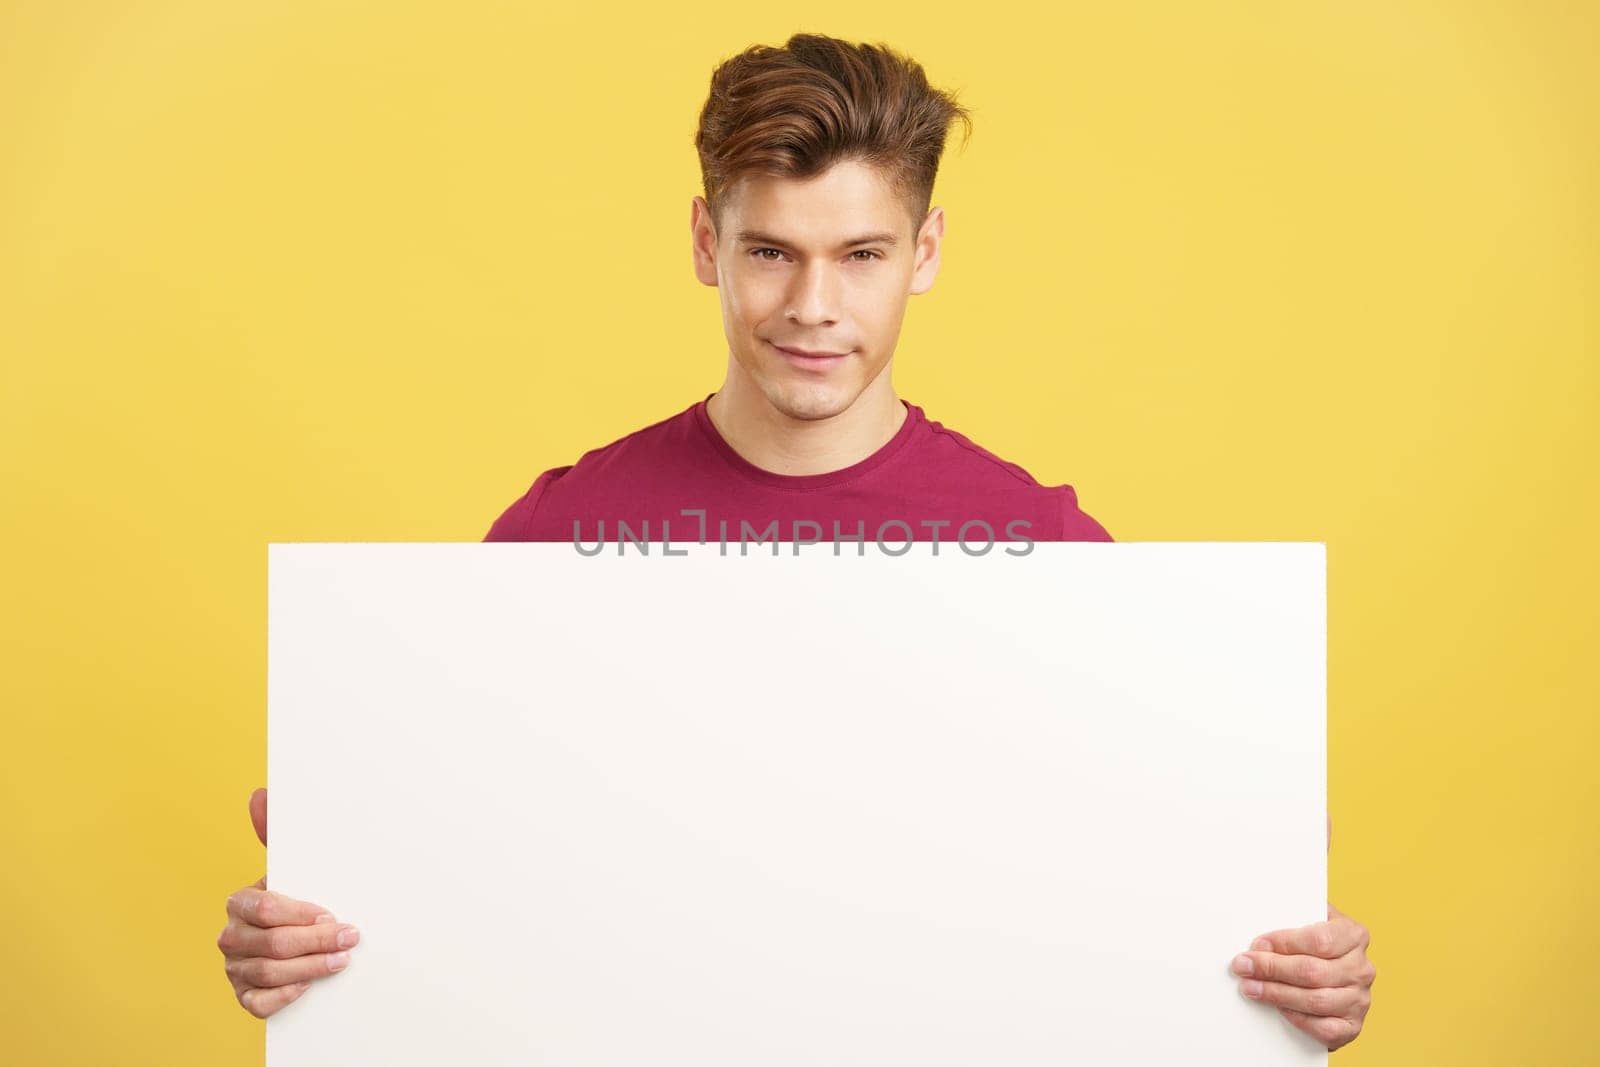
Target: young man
(818, 160)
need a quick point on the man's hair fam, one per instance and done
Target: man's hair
(795, 111)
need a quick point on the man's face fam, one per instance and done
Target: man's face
(823, 265)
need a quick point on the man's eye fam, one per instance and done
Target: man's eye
(761, 253)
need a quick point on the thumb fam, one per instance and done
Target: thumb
(258, 813)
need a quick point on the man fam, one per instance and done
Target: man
(818, 160)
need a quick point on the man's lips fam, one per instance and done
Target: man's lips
(806, 353)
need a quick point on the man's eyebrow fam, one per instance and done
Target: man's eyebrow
(883, 238)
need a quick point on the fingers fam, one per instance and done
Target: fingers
(265, 972)
(1330, 940)
(258, 906)
(258, 813)
(1333, 1032)
(1318, 976)
(1334, 1001)
(1309, 972)
(285, 942)
(264, 1002)
(275, 946)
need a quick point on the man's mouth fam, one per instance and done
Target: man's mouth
(805, 357)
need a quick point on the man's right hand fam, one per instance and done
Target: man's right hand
(274, 946)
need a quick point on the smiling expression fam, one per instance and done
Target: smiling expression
(820, 267)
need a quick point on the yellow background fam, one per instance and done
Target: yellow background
(358, 272)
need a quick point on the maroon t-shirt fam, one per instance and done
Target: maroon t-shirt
(678, 481)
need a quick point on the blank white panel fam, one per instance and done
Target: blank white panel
(928, 810)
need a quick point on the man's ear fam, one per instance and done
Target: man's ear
(929, 237)
(703, 235)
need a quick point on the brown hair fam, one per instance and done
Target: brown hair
(795, 111)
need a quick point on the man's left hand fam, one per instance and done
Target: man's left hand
(1317, 976)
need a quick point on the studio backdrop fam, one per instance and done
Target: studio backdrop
(286, 272)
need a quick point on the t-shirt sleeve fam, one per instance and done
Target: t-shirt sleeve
(516, 522)
(1076, 524)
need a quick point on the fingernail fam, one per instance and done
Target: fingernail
(303, 986)
(1261, 944)
(1251, 988)
(349, 936)
(337, 960)
(326, 917)
(1243, 965)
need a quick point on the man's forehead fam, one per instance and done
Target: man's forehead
(848, 204)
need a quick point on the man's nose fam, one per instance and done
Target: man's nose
(815, 297)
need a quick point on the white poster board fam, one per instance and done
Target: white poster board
(804, 810)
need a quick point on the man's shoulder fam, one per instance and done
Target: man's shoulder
(953, 453)
(633, 455)
(615, 465)
(969, 469)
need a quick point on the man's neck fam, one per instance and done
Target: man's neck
(778, 443)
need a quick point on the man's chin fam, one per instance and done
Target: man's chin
(812, 401)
